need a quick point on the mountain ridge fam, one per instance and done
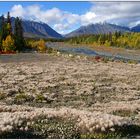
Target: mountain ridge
(98, 28)
(136, 28)
(34, 29)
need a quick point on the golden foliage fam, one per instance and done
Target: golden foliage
(8, 44)
(107, 43)
(8, 26)
(32, 44)
(124, 40)
(41, 46)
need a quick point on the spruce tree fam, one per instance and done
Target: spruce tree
(6, 27)
(3, 32)
(9, 26)
(1, 28)
(18, 35)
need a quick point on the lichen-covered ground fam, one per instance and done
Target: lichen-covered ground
(79, 83)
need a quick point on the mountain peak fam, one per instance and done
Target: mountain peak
(98, 28)
(40, 29)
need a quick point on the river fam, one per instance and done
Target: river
(84, 50)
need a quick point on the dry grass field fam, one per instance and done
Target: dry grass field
(61, 96)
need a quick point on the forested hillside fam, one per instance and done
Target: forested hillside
(117, 39)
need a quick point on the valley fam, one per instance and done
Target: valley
(69, 70)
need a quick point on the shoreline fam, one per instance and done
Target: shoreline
(88, 50)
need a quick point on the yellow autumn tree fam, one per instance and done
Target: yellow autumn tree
(41, 46)
(107, 43)
(33, 44)
(8, 44)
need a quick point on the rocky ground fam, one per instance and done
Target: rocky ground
(79, 83)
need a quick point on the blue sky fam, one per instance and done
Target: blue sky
(65, 17)
(74, 7)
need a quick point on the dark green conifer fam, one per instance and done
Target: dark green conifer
(3, 31)
(18, 35)
(9, 26)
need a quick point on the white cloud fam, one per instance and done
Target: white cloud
(88, 18)
(62, 21)
(61, 27)
(17, 10)
(124, 13)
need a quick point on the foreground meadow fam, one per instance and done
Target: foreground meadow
(65, 96)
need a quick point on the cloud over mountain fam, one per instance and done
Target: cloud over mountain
(122, 13)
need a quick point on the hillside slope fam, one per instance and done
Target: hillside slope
(97, 28)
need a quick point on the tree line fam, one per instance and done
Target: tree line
(117, 39)
(11, 39)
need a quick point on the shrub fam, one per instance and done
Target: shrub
(2, 96)
(41, 46)
(97, 58)
(56, 127)
(125, 113)
(40, 98)
(22, 97)
(105, 59)
(132, 62)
